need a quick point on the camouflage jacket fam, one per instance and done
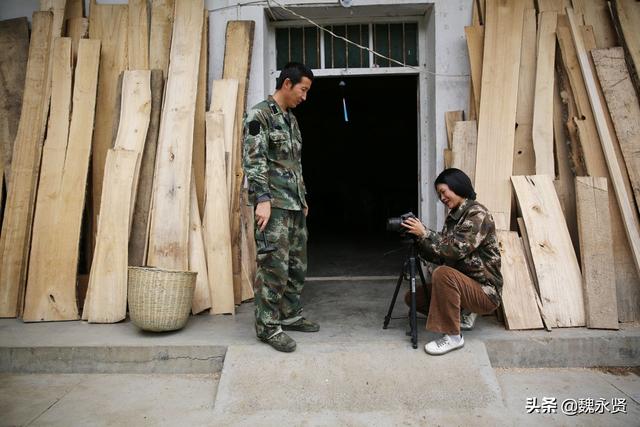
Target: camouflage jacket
(272, 151)
(469, 244)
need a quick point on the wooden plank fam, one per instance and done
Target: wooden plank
(597, 252)
(556, 264)
(138, 35)
(447, 156)
(237, 63)
(109, 24)
(217, 229)
(197, 255)
(14, 49)
(224, 98)
(249, 251)
(465, 138)
(107, 295)
(51, 289)
(557, 6)
(629, 215)
(496, 125)
(160, 34)
(596, 13)
(518, 293)
(626, 18)
(76, 29)
(450, 119)
(542, 131)
(16, 225)
(140, 228)
(201, 107)
(524, 161)
(169, 228)
(623, 106)
(73, 9)
(135, 111)
(475, 45)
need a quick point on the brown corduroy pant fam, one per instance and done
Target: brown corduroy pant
(442, 299)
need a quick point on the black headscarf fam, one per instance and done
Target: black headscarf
(457, 181)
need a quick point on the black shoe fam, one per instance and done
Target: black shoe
(281, 342)
(302, 325)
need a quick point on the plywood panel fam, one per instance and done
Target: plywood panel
(596, 252)
(109, 24)
(542, 131)
(465, 138)
(217, 228)
(623, 106)
(518, 293)
(169, 229)
(524, 162)
(140, 228)
(197, 255)
(496, 126)
(107, 295)
(14, 49)
(138, 35)
(16, 225)
(160, 34)
(557, 269)
(51, 290)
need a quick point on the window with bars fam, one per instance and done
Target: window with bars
(323, 51)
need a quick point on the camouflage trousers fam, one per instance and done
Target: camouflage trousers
(280, 276)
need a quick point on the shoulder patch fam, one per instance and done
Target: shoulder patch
(254, 127)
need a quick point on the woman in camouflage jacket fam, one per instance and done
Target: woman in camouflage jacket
(466, 251)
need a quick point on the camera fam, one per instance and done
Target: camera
(395, 224)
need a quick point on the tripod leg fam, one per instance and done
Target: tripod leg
(387, 318)
(413, 321)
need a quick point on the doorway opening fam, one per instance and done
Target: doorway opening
(360, 168)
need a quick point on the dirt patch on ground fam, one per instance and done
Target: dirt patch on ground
(621, 371)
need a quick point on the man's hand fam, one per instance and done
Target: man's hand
(263, 213)
(305, 210)
(415, 227)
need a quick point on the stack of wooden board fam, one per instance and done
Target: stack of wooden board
(163, 174)
(559, 74)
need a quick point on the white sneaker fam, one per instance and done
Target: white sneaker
(467, 320)
(443, 345)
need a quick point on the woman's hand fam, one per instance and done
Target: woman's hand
(415, 227)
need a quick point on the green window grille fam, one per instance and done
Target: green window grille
(306, 44)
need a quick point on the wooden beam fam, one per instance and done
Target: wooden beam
(465, 139)
(542, 131)
(138, 35)
(518, 293)
(629, 215)
(169, 229)
(556, 264)
(524, 162)
(217, 229)
(597, 252)
(140, 228)
(160, 34)
(107, 294)
(497, 119)
(623, 106)
(51, 289)
(14, 49)
(16, 225)
(197, 255)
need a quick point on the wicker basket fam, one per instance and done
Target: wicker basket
(160, 300)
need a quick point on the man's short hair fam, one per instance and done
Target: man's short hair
(293, 71)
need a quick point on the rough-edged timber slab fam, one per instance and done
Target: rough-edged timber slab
(497, 115)
(16, 224)
(169, 228)
(160, 34)
(51, 289)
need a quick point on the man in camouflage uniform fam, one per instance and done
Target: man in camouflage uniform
(272, 165)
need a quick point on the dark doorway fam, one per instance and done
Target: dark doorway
(359, 172)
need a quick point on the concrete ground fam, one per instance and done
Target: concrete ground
(214, 372)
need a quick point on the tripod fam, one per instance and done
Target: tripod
(411, 264)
